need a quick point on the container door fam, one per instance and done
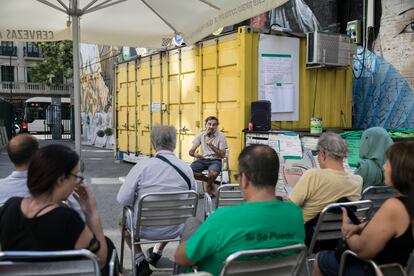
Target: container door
(156, 90)
(144, 101)
(221, 93)
(189, 99)
(182, 98)
(132, 108)
(122, 104)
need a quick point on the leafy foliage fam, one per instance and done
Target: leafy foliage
(58, 61)
(108, 131)
(100, 133)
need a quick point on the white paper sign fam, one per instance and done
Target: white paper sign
(290, 145)
(277, 68)
(281, 96)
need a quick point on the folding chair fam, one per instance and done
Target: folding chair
(395, 269)
(112, 263)
(68, 262)
(229, 195)
(410, 265)
(225, 173)
(329, 223)
(157, 209)
(347, 253)
(280, 263)
(378, 195)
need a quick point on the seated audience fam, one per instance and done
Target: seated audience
(20, 150)
(388, 237)
(40, 222)
(213, 148)
(163, 173)
(374, 143)
(261, 222)
(320, 187)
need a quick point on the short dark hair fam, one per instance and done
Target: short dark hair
(22, 148)
(261, 164)
(48, 164)
(401, 158)
(211, 118)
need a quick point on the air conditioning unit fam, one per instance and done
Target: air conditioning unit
(327, 49)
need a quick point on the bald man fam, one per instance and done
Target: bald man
(20, 150)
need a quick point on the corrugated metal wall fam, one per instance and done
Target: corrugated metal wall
(215, 77)
(325, 93)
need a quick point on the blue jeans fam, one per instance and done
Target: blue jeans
(206, 164)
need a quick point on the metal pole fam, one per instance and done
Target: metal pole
(11, 73)
(76, 77)
(11, 76)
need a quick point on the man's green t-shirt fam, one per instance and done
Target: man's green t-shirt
(252, 225)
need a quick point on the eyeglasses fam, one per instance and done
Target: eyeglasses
(79, 179)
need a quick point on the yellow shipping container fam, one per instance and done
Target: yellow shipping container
(215, 77)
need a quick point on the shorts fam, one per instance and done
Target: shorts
(206, 164)
(329, 265)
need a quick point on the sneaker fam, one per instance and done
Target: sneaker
(153, 258)
(143, 269)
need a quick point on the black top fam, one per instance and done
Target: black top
(58, 229)
(398, 250)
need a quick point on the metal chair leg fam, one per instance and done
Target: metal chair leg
(123, 229)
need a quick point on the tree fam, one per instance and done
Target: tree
(57, 62)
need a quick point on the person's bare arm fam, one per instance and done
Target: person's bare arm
(385, 225)
(181, 256)
(195, 154)
(87, 201)
(219, 152)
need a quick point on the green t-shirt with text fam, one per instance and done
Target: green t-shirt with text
(252, 225)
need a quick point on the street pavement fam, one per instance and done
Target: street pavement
(103, 173)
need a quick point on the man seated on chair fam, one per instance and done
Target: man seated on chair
(213, 149)
(261, 222)
(317, 188)
(156, 175)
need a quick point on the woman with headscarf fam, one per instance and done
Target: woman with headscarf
(374, 143)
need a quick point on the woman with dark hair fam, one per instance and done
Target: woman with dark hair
(40, 222)
(388, 237)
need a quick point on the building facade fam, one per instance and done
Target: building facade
(16, 84)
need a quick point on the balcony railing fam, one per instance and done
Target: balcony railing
(32, 88)
(8, 51)
(32, 52)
